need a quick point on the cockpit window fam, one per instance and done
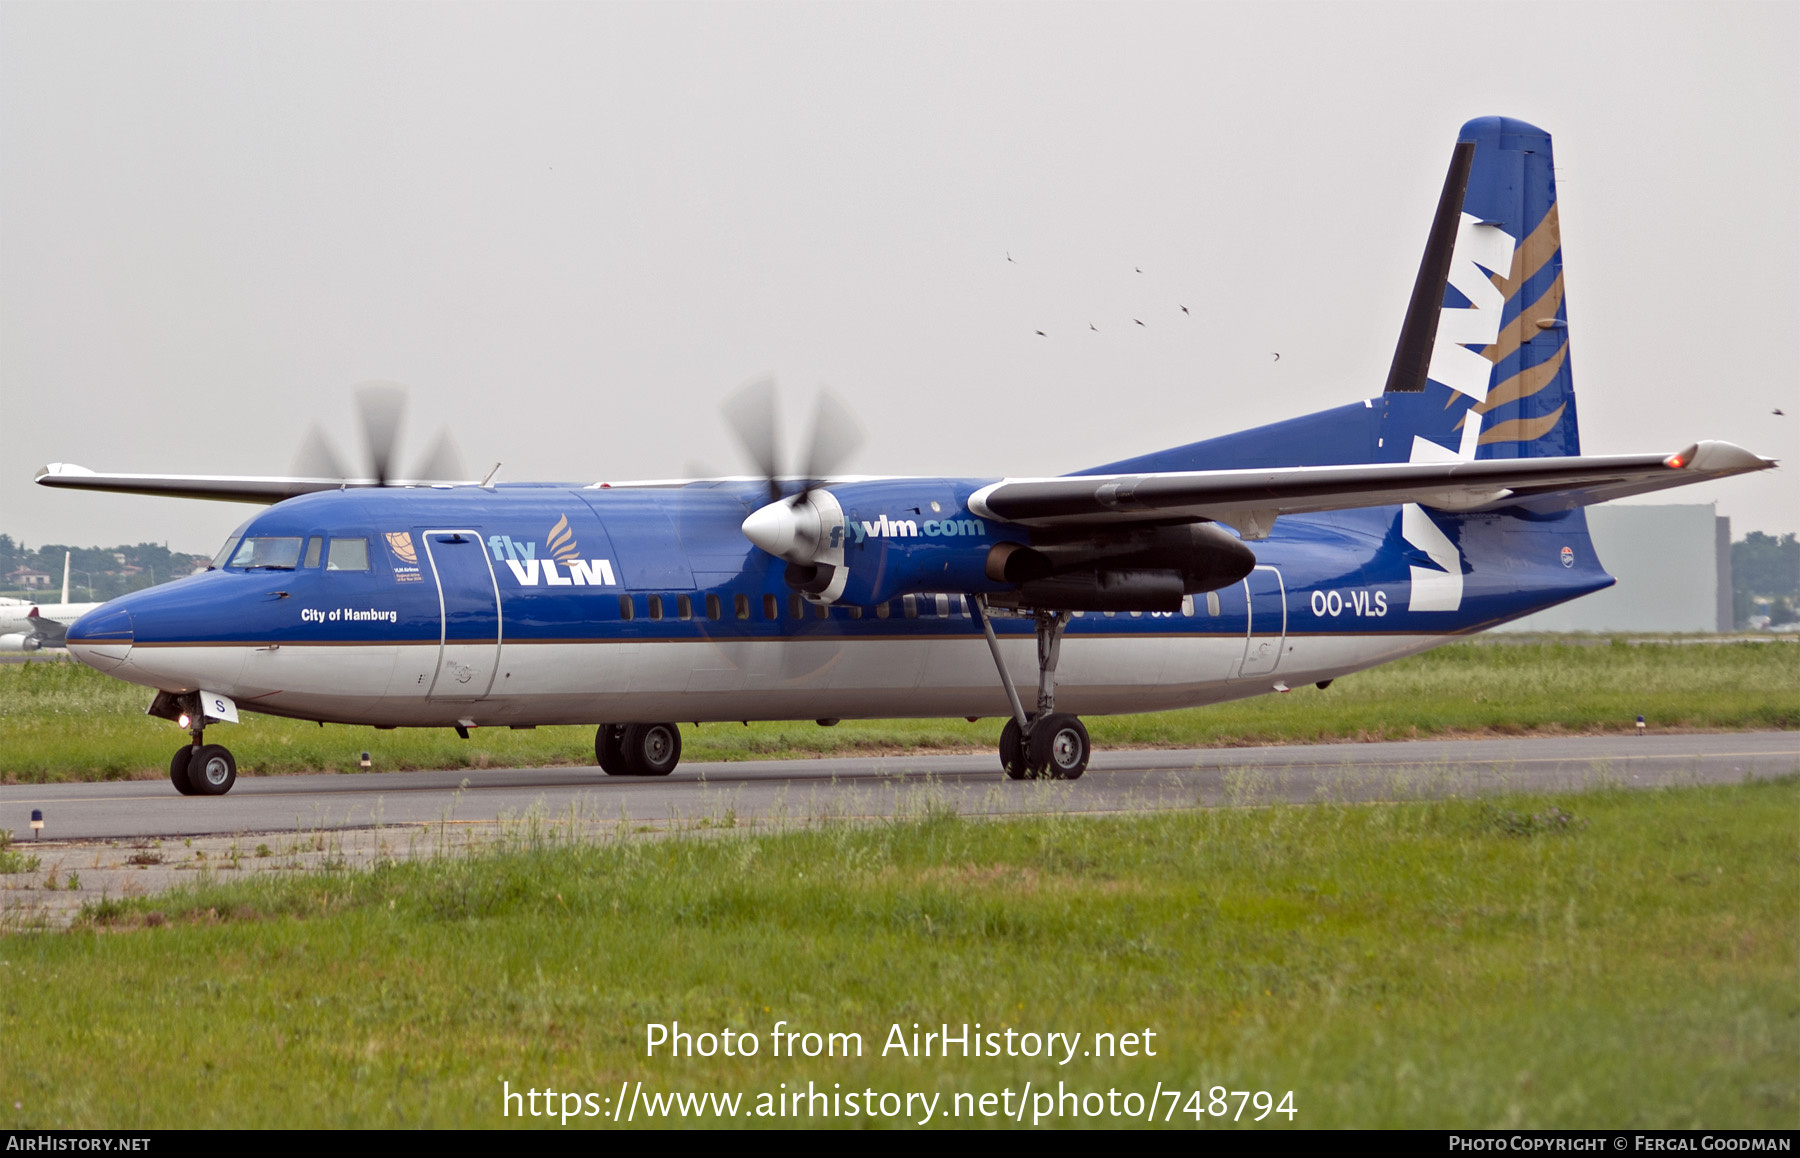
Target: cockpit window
(279, 553)
(348, 555)
(231, 544)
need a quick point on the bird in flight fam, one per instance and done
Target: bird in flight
(1139, 270)
(1042, 334)
(1009, 257)
(1278, 357)
(1140, 323)
(1778, 411)
(1096, 329)
(1184, 309)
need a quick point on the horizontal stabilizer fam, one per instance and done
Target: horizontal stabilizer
(1250, 500)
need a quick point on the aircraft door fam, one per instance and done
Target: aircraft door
(1266, 637)
(469, 609)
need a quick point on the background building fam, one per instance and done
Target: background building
(1673, 563)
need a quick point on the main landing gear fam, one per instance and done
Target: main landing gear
(202, 769)
(637, 749)
(1046, 744)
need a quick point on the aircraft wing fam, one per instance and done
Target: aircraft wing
(263, 489)
(1250, 500)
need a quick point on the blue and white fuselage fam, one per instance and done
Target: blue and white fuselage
(656, 607)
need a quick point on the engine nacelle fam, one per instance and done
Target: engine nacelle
(867, 542)
(18, 641)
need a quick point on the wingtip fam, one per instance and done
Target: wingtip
(59, 470)
(1715, 457)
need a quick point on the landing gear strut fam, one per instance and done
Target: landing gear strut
(1046, 744)
(637, 749)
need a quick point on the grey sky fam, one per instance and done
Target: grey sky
(573, 229)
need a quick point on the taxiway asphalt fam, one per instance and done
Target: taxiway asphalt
(880, 787)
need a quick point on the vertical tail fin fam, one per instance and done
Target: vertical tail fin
(1486, 373)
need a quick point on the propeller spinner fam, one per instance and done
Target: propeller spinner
(797, 527)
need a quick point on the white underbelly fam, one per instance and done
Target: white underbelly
(588, 682)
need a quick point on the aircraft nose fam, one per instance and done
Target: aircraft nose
(102, 638)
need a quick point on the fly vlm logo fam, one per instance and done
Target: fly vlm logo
(521, 559)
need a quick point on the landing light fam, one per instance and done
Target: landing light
(184, 719)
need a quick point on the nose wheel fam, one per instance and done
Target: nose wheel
(1046, 745)
(202, 769)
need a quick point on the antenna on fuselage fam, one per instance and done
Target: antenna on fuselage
(488, 478)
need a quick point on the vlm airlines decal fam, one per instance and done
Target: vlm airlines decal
(1456, 360)
(886, 528)
(521, 559)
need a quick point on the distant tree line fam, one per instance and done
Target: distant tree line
(95, 573)
(1765, 578)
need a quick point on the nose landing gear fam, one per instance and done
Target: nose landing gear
(202, 769)
(1046, 744)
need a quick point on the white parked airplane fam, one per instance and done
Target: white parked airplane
(28, 626)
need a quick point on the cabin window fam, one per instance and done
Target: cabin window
(713, 610)
(962, 607)
(684, 607)
(1187, 606)
(656, 607)
(1212, 604)
(883, 609)
(312, 550)
(824, 610)
(943, 607)
(626, 610)
(742, 604)
(796, 606)
(771, 607)
(348, 555)
(278, 554)
(911, 604)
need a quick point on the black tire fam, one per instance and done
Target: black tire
(1012, 751)
(607, 750)
(178, 766)
(651, 749)
(1059, 748)
(212, 770)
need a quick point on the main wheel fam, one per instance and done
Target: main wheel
(1012, 751)
(212, 770)
(178, 769)
(650, 749)
(607, 750)
(1058, 748)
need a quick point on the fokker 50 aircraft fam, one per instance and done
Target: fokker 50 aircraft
(1289, 554)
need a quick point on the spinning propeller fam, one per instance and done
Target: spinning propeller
(752, 413)
(379, 407)
(796, 527)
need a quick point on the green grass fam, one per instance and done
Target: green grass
(67, 722)
(1620, 958)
